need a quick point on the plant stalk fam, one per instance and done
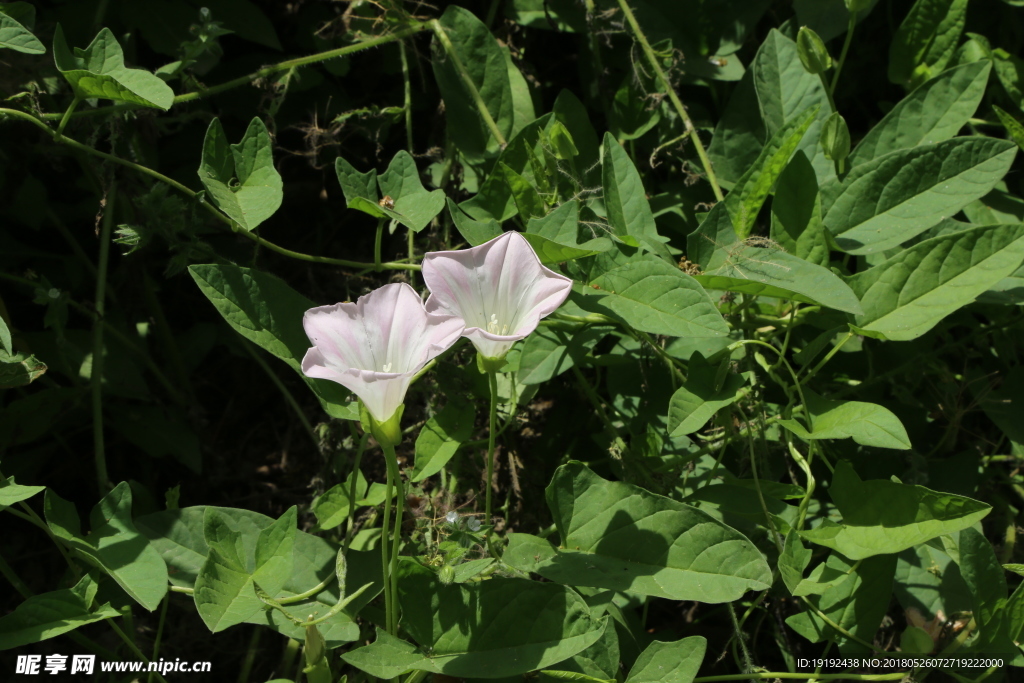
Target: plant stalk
(96, 374)
(842, 57)
(492, 382)
(391, 562)
(389, 453)
(676, 103)
(396, 532)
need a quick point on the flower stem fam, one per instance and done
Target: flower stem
(391, 572)
(389, 456)
(676, 103)
(492, 381)
(96, 374)
(842, 56)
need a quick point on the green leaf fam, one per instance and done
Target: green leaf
(548, 352)
(1010, 71)
(477, 629)
(697, 401)
(796, 213)
(114, 544)
(18, 38)
(241, 178)
(910, 293)
(441, 437)
(881, 516)
(332, 507)
(629, 212)
(388, 657)
(555, 237)
(46, 616)
(793, 561)
(632, 113)
(933, 112)
(857, 604)
(866, 423)
(890, 199)
(928, 580)
(473, 231)
(22, 12)
(618, 536)
(414, 206)
(525, 195)
(5, 338)
(760, 267)
(986, 582)
(19, 370)
(99, 71)
(488, 70)
(224, 594)
(926, 40)
(676, 662)
(1014, 127)
(178, 536)
(655, 297)
(356, 185)
(11, 493)
(267, 312)
(739, 135)
(745, 200)
(494, 200)
(785, 91)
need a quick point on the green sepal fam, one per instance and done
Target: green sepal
(487, 365)
(388, 432)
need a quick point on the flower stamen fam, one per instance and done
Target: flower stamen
(386, 368)
(493, 326)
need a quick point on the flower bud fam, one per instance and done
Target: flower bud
(446, 575)
(835, 138)
(857, 5)
(812, 51)
(315, 645)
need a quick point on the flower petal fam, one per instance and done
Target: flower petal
(500, 289)
(375, 346)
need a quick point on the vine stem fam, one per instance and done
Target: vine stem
(133, 647)
(492, 381)
(467, 81)
(96, 373)
(288, 397)
(676, 103)
(768, 675)
(411, 30)
(376, 245)
(842, 57)
(209, 207)
(394, 477)
(833, 351)
(67, 115)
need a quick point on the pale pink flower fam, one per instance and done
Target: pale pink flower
(499, 289)
(375, 346)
